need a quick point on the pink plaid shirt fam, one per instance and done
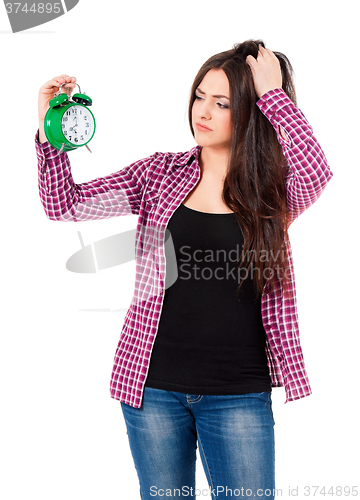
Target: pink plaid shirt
(153, 188)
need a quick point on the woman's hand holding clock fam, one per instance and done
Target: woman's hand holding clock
(46, 93)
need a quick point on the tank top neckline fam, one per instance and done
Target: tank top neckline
(206, 213)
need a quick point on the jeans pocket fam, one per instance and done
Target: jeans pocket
(264, 396)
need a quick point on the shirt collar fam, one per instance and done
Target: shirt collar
(189, 157)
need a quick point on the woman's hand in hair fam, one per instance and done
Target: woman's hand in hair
(47, 92)
(266, 71)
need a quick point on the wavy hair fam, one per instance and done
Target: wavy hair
(254, 186)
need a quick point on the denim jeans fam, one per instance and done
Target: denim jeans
(235, 435)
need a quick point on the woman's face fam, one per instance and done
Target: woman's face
(211, 109)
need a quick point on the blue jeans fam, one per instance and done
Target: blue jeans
(235, 435)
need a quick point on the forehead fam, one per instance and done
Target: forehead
(215, 82)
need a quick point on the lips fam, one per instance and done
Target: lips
(203, 128)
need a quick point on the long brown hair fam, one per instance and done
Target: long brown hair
(254, 186)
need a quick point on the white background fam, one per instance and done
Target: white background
(62, 436)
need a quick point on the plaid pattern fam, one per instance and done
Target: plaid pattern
(153, 188)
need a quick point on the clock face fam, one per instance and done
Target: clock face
(77, 125)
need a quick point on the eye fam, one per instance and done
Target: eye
(222, 106)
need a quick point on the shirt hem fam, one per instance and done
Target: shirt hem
(211, 391)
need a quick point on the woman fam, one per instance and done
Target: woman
(226, 330)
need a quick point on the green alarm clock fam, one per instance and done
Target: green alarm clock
(69, 124)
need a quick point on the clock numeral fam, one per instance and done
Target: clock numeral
(76, 125)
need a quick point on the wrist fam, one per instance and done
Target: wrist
(265, 91)
(42, 136)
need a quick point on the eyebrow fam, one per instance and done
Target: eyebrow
(217, 96)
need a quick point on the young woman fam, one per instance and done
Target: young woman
(195, 364)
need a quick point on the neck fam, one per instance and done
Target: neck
(214, 162)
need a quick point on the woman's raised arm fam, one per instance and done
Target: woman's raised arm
(64, 200)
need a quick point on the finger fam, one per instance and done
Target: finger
(251, 60)
(64, 76)
(54, 83)
(65, 79)
(57, 80)
(262, 54)
(53, 86)
(267, 53)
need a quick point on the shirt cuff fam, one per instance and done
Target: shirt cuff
(46, 153)
(44, 147)
(274, 100)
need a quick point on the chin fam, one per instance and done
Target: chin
(203, 141)
(208, 144)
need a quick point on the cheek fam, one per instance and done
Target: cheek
(193, 116)
(226, 125)
(193, 110)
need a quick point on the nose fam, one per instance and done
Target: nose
(204, 110)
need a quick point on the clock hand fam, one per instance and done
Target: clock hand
(73, 128)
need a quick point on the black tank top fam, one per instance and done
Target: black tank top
(209, 341)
